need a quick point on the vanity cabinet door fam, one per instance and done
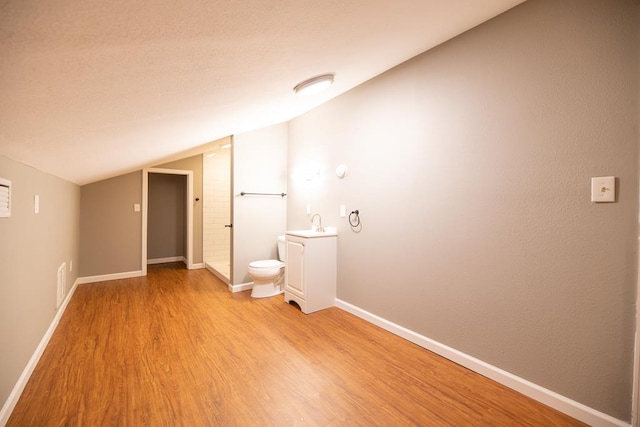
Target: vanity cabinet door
(295, 274)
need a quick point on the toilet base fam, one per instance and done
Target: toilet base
(267, 285)
(264, 290)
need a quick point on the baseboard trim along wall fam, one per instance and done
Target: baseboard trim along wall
(105, 277)
(175, 259)
(166, 259)
(561, 403)
(15, 394)
(241, 287)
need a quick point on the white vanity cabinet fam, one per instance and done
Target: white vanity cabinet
(311, 270)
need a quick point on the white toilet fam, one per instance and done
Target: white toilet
(268, 275)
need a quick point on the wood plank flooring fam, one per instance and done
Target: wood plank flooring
(177, 348)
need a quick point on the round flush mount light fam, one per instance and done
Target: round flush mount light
(314, 84)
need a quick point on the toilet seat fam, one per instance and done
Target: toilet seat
(266, 263)
(265, 268)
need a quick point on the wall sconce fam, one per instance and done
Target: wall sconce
(311, 174)
(341, 171)
(307, 173)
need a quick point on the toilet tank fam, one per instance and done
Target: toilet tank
(281, 243)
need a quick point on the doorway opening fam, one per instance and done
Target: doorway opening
(186, 207)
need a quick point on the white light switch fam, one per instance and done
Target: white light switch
(343, 211)
(136, 207)
(603, 189)
(36, 204)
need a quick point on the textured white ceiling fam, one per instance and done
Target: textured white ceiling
(91, 89)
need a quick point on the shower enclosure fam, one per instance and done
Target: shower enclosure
(216, 211)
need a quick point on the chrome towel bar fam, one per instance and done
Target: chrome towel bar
(243, 193)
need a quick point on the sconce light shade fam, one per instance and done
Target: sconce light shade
(307, 173)
(314, 84)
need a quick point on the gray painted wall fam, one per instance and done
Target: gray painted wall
(166, 224)
(110, 230)
(471, 168)
(193, 163)
(32, 247)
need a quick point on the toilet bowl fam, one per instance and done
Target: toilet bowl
(268, 275)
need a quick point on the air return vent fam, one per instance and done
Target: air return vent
(62, 283)
(5, 198)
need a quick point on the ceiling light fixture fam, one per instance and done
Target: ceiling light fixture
(314, 84)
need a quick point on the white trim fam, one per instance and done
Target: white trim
(6, 212)
(167, 259)
(635, 399)
(219, 275)
(15, 394)
(197, 266)
(635, 422)
(241, 287)
(105, 277)
(145, 201)
(190, 220)
(561, 403)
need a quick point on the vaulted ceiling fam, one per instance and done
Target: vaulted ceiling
(90, 89)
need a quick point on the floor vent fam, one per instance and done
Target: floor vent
(62, 283)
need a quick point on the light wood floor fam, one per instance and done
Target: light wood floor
(176, 348)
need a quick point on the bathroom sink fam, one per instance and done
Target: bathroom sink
(329, 231)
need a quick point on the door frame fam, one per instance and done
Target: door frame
(635, 400)
(189, 208)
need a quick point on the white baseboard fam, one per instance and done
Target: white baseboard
(167, 259)
(561, 403)
(241, 287)
(175, 259)
(105, 277)
(15, 394)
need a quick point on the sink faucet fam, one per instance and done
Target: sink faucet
(320, 227)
